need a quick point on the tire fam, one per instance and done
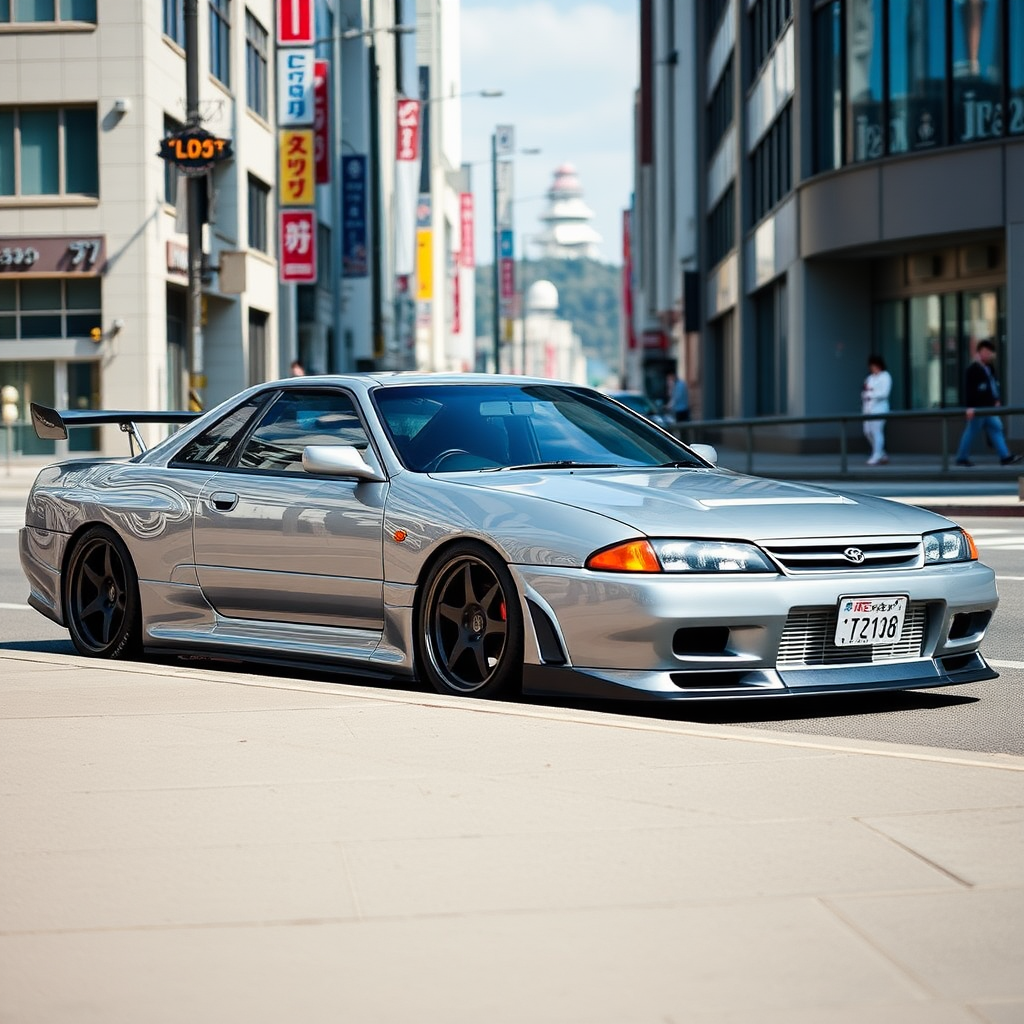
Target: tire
(101, 597)
(469, 625)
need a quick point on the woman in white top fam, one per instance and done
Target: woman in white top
(874, 397)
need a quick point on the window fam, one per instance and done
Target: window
(768, 21)
(771, 166)
(917, 86)
(259, 195)
(720, 108)
(220, 40)
(26, 11)
(257, 346)
(171, 175)
(255, 66)
(864, 78)
(771, 321)
(216, 445)
(47, 151)
(49, 308)
(174, 20)
(722, 228)
(296, 419)
(1015, 71)
(828, 88)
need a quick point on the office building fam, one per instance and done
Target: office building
(816, 181)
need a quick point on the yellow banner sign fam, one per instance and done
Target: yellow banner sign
(298, 167)
(424, 265)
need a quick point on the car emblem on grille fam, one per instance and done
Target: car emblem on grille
(854, 555)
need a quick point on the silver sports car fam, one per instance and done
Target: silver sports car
(490, 535)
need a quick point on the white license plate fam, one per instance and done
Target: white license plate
(868, 621)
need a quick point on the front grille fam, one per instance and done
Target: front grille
(807, 640)
(829, 554)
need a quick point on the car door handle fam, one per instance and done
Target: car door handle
(223, 501)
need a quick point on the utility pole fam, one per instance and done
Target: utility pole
(496, 325)
(194, 379)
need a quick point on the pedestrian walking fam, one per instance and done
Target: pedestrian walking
(678, 398)
(297, 369)
(981, 391)
(874, 397)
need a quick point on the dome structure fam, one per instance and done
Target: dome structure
(568, 233)
(542, 297)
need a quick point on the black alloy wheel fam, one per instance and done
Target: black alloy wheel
(102, 597)
(470, 626)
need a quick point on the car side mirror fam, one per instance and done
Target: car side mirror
(708, 452)
(338, 460)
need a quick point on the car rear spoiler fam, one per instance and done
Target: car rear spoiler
(51, 425)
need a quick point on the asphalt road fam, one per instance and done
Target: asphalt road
(984, 717)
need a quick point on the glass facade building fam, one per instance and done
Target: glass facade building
(859, 170)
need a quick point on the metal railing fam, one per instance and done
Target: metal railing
(755, 427)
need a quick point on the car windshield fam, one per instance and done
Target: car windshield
(636, 401)
(458, 427)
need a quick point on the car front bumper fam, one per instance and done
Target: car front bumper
(670, 637)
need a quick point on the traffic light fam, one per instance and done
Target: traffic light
(96, 334)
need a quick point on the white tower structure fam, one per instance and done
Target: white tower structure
(549, 346)
(568, 234)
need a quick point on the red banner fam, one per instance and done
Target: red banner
(407, 144)
(295, 25)
(467, 254)
(297, 243)
(627, 279)
(321, 122)
(508, 278)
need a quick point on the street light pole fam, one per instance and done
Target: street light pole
(194, 328)
(496, 305)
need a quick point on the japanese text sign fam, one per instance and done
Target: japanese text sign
(297, 167)
(297, 242)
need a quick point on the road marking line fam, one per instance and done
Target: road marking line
(1007, 664)
(15, 607)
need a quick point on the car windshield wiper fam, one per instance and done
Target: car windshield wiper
(559, 464)
(681, 465)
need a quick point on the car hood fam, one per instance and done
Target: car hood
(711, 503)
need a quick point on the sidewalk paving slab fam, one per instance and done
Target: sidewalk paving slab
(184, 843)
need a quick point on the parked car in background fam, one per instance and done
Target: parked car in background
(642, 403)
(490, 535)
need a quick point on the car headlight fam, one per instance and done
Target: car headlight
(948, 546)
(689, 556)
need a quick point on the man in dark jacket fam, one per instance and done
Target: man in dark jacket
(981, 391)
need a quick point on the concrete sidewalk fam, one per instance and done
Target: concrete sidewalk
(183, 844)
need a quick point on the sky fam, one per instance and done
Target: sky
(568, 71)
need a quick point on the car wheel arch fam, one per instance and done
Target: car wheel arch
(470, 547)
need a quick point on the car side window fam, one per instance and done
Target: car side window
(216, 445)
(299, 418)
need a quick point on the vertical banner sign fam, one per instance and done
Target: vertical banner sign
(507, 267)
(321, 121)
(407, 170)
(295, 87)
(467, 254)
(424, 252)
(627, 280)
(456, 304)
(297, 241)
(296, 167)
(295, 25)
(354, 262)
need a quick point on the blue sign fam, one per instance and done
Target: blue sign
(354, 255)
(506, 245)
